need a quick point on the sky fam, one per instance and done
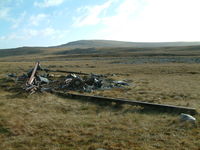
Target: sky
(55, 22)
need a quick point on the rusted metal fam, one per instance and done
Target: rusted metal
(31, 79)
(145, 105)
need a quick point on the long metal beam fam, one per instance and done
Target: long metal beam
(31, 79)
(145, 105)
(63, 71)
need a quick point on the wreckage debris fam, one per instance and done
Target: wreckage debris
(73, 81)
(121, 83)
(12, 75)
(144, 105)
(187, 118)
(58, 84)
(83, 82)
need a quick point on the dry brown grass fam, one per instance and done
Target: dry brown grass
(45, 121)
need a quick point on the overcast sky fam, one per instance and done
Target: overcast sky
(54, 22)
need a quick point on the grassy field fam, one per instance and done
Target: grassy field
(48, 122)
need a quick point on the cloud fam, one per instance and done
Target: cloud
(48, 36)
(18, 2)
(121, 25)
(18, 21)
(48, 3)
(153, 20)
(12, 36)
(90, 15)
(35, 20)
(49, 32)
(4, 13)
(2, 37)
(10, 3)
(46, 32)
(28, 33)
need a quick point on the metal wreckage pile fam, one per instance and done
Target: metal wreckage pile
(76, 81)
(73, 81)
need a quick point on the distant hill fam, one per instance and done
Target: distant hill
(19, 51)
(105, 48)
(109, 43)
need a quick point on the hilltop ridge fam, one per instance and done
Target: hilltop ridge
(112, 43)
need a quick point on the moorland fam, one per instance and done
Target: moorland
(163, 73)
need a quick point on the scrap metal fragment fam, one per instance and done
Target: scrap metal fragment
(120, 83)
(187, 117)
(31, 79)
(43, 79)
(12, 75)
(63, 71)
(145, 105)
